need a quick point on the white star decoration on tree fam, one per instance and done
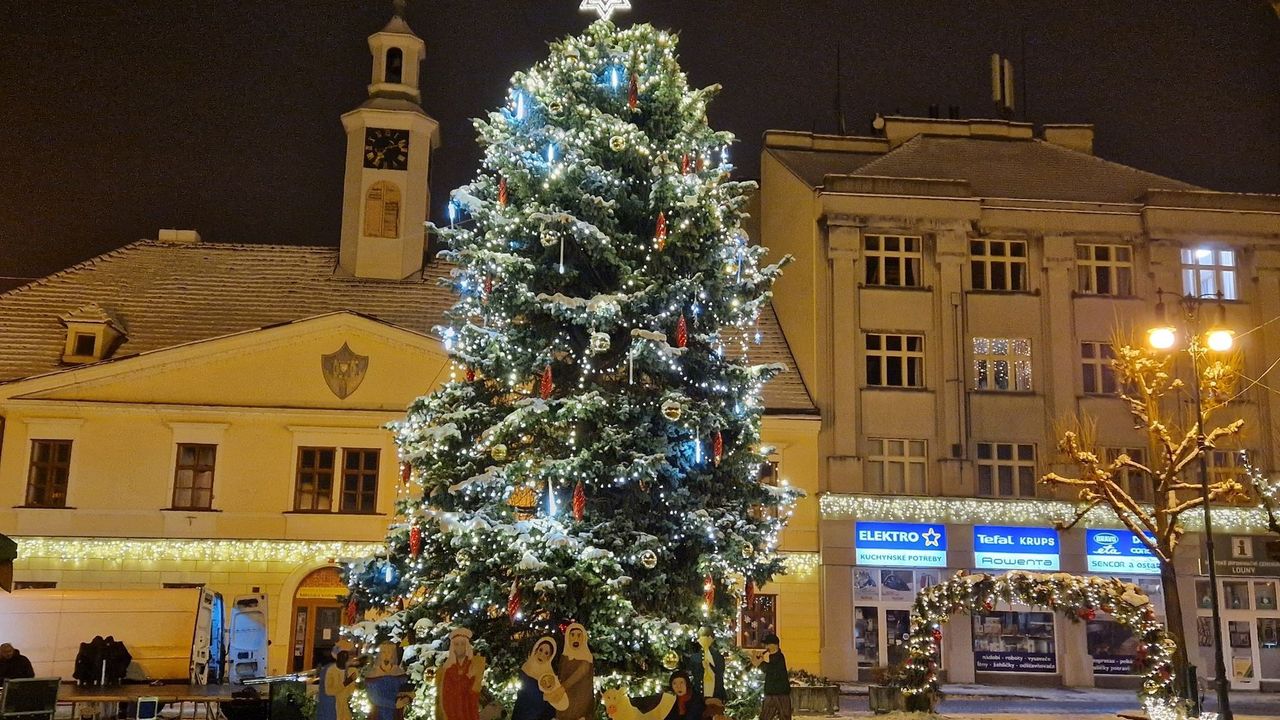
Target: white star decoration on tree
(604, 8)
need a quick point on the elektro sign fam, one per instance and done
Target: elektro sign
(1014, 548)
(1119, 552)
(901, 544)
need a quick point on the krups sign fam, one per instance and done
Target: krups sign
(901, 544)
(1014, 548)
(1119, 552)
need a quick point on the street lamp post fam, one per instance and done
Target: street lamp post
(1163, 337)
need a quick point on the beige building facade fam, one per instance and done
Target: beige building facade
(183, 413)
(956, 290)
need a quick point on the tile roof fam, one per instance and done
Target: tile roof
(169, 294)
(1028, 169)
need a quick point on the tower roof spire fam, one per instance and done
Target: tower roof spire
(397, 7)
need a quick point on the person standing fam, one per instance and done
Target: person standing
(337, 684)
(777, 686)
(13, 664)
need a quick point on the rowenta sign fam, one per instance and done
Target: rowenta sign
(1015, 548)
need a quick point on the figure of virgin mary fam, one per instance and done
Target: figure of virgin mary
(541, 694)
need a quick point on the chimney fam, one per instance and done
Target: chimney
(178, 237)
(1072, 137)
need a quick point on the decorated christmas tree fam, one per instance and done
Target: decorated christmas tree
(596, 457)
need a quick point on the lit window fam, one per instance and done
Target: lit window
(1208, 271)
(1105, 269)
(998, 264)
(895, 360)
(1137, 485)
(1006, 470)
(896, 465)
(356, 486)
(1002, 364)
(759, 618)
(1095, 363)
(892, 260)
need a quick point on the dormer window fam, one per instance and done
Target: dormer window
(92, 333)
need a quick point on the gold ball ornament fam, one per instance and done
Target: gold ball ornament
(748, 549)
(672, 410)
(617, 143)
(462, 558)
(671, 660)
(556, 107)
(600, 342)
(498, 453)
(548, 238)
(649, 559)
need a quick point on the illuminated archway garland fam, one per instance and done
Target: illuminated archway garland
(1078, 598)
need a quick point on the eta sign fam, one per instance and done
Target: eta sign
(1118, 552)
(917, 545)
(1014, 548)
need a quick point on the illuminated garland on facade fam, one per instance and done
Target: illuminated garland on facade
(1016, 512)
(153, 549)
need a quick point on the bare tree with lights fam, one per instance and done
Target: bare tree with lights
(1158, 402)
(596, 458)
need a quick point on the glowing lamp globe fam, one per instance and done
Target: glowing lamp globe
(1220, 340)
(1161, 338)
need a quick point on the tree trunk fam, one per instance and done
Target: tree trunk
(1175, 626)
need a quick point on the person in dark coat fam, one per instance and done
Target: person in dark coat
(13, 664)
(688, 705)
(706, 669)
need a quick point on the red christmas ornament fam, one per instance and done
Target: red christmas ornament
(751, 594)
(937, 635)
(661, 233)
(1088, 614)
(701, 163)
(351, 612)
(987, 606)
(709, 590)
(415, 541)
(502, 192)
(682, 332)
(406, 471)
(471, 374)
(547, 385)
(717, 448)
(633, 91)
(488, 286)
(513, 601)
(684, 164)
(579, 502)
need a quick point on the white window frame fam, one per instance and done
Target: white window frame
(907, 255)
(898, 455)
(1210, 269)
(988, 363)
(1015, 464)
(1117, 270)
(983, 254)
(1098, 368)
(904, 356)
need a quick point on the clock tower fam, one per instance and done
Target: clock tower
(385, 194)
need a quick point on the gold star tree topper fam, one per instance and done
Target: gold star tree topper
(604, 8)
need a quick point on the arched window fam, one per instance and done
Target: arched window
(395, 65)
(382, 210)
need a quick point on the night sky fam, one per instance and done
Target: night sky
(124, 116)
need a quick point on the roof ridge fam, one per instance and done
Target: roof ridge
(77, 267)
(861, 170)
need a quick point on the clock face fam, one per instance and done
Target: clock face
(386, 149)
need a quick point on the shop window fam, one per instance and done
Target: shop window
(1235, 595)
(1113, 646)
(1133, 482)
(1014, 642)
(357, 480)
(1269, 647)
(998, 264)
(892, 260)
(34, 585)
(1002, 364)
(893, 584)
(759, 619)
(895, 360)
(866, 636)
(896, 465)
(1099, 378)
(193, 476)
(48, 474)
(1104, 269)
(1006, 469)
(1209, 272)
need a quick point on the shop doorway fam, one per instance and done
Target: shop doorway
(1250, 627)
(882, 614)
(317, 617)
